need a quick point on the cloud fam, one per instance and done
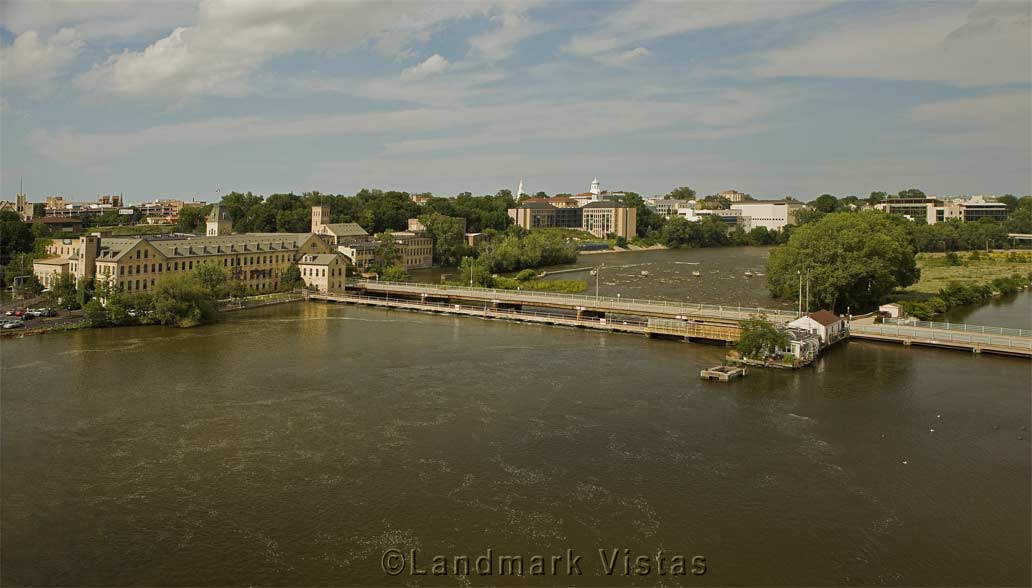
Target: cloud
(499, 43)
(1002, 119)
(625, 58)
(231, 40)
(115, 19)
(648, 20)
(434, 64)
(946, 42)
(33, 62)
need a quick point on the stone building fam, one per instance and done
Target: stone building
(323, 272)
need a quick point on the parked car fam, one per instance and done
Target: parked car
(19, 312)
(13, 325)
(28, 316)
(9, 313)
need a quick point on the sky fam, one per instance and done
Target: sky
(195, 99)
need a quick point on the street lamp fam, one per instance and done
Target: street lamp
(598, 273)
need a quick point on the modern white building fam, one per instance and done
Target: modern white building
(732, 218)
(772, 214)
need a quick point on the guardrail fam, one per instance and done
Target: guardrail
(617, 302)
(958, 327)
(945, 336)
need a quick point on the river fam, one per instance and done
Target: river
(293, 445)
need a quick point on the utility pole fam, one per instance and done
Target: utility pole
(807, 290)
(471, 272)
(598, 274)
(800, 305)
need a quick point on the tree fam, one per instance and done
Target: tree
(1010, 200)
(474, 270)
(853, 259)
(192, 219)
(182, 301)
(388, 254)
(449, 238)
(826, 203)
(15, 236)
(28, 288)
(18, 266)
(682, 193)
(213, 278)
(760, 338)
(291, 278)
(648, 220)
(394, 273)
(63, 293)
(877, 198)
(911, 193)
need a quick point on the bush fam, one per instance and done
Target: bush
(952, 258)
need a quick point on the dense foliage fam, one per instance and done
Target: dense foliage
(760, 338)
(517, 249)
(852, 259)
(958, 294)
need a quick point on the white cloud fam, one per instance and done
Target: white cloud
(117, 19)
(434, 64)
(1003, 119)
(625, 58)
(231, 40)
(499, 43)
(33, 61)
(647, 20)
(945, 41)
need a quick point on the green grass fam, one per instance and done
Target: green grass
(132, 230)
(936, 274)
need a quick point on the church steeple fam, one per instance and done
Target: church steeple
(596, 189)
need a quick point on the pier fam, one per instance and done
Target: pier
(654, 318)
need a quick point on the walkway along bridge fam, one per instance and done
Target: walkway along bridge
(705, 322)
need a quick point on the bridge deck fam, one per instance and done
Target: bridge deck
(955, 339)
(602, 304)
(688, 330)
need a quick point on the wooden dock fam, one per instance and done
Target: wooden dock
(724, 373)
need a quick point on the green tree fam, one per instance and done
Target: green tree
(682, 193)
(15, 236)
(826, 203)
(182, 301)
(28, 288)
(853, 259)
(475, 270)
(291, 278)
(213, 278)
(63, 293)
(760, 338)
(394, 273)
(192, 219)
(911, 193)
(449, 238)
(877, 198)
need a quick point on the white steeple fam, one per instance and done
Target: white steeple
(596, 189)
(519, 190)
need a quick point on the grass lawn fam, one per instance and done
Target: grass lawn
(132, 230)
(935, 274)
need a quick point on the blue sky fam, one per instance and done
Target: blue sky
(181, 99)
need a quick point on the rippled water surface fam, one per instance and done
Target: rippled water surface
(292, 445)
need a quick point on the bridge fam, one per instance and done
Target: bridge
(975, 338)
(655, 318)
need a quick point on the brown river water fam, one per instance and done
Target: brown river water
(296, 444)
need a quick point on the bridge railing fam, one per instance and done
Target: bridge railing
(617, 302)
(959, 327)
(946, 336)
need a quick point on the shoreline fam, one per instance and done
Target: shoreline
(630, 249)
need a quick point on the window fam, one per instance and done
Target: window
(137, 284)
(145, 252)
(152, 268)
(176, 266)
(121, 270)
(191, 264)
(137, 254)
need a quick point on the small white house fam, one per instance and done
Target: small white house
(823, 323)
(802, 344)
(892, 310)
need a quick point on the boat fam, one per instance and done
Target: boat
(594, 272)
(644, 272)
(747, 274)
(696, 274)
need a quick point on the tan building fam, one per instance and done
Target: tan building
(416, 249)
(477, 239)
(323, 272)
(606, 217)
(218, 223)
(338, 233)
(733, 195)
(257, 260)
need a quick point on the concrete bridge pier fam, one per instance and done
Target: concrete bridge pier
(583, 313)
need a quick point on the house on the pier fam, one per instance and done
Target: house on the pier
(802, 344)
(823, 323)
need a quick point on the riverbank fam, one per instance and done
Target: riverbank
(629, 249)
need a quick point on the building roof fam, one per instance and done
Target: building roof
(890, 304)
(536, 204)
(61, 220)
(217, 214)
(605, 204)
(319, 259)
(52, 261)
(801, 335)
(345, 230)
(824, 317)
